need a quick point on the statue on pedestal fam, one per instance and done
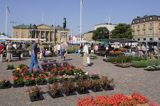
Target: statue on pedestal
(64, 23)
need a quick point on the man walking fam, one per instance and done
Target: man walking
(9, 56)
(34, 60)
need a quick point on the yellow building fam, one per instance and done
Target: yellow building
(52, 34)
(146, 28)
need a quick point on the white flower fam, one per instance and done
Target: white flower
(86, 73)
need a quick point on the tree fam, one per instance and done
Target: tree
(122, 31)
(100, 33)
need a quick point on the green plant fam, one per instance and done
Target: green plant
(145, 63)
(152, 68)
(21, 66)
(29, 82)
(10, 67)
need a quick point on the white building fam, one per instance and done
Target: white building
(109, 26)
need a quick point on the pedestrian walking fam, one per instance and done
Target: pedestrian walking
(9, 50)
(34, 60)
(63, 50)
(86, 58)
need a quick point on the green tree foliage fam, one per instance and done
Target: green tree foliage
(122, 31)
(100, 33)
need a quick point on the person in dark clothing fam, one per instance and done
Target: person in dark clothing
(19, 51)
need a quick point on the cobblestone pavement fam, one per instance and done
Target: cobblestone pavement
(127, 80)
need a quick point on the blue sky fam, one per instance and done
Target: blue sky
(94, 12)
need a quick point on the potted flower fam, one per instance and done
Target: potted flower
(18, 82)
(41, 81)
(54, 90)
(35, 94)
(51, 79)
(4, 84)
(30, 81)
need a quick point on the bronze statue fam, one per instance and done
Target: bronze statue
(64, 23)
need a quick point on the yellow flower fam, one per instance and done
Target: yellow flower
(18, 69)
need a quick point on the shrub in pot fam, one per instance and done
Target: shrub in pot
(82, 86)
(35, 94)
(4, 84)
(106, 83)
(96, 86)
(54, 90)
(68, 87)
(10, 67)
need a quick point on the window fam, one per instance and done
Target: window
(138, 39)
(17, 33)
(144, 20)
(144, 39)
(151, 18)
(150, 38)
(158, 38)
(22, 34)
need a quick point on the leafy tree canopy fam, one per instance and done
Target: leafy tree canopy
(122, 31)
(100, 33)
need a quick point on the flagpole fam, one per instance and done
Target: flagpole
(81, 3)
(6, 22)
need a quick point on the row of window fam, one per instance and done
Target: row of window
(144, 39)
(145, 19)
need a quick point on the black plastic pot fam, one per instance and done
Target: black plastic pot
(36, 97)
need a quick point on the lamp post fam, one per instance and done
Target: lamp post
(81, 7)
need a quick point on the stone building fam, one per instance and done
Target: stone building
(88, 36)
(52, 34)
(146, 28)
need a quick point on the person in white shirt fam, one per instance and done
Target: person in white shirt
(58, 48)
(86, 58)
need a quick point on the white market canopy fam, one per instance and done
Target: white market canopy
(22, 39)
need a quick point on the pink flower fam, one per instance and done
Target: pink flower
(153, 104)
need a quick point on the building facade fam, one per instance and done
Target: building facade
(52, 34)
(146, 28)
(88, 36)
